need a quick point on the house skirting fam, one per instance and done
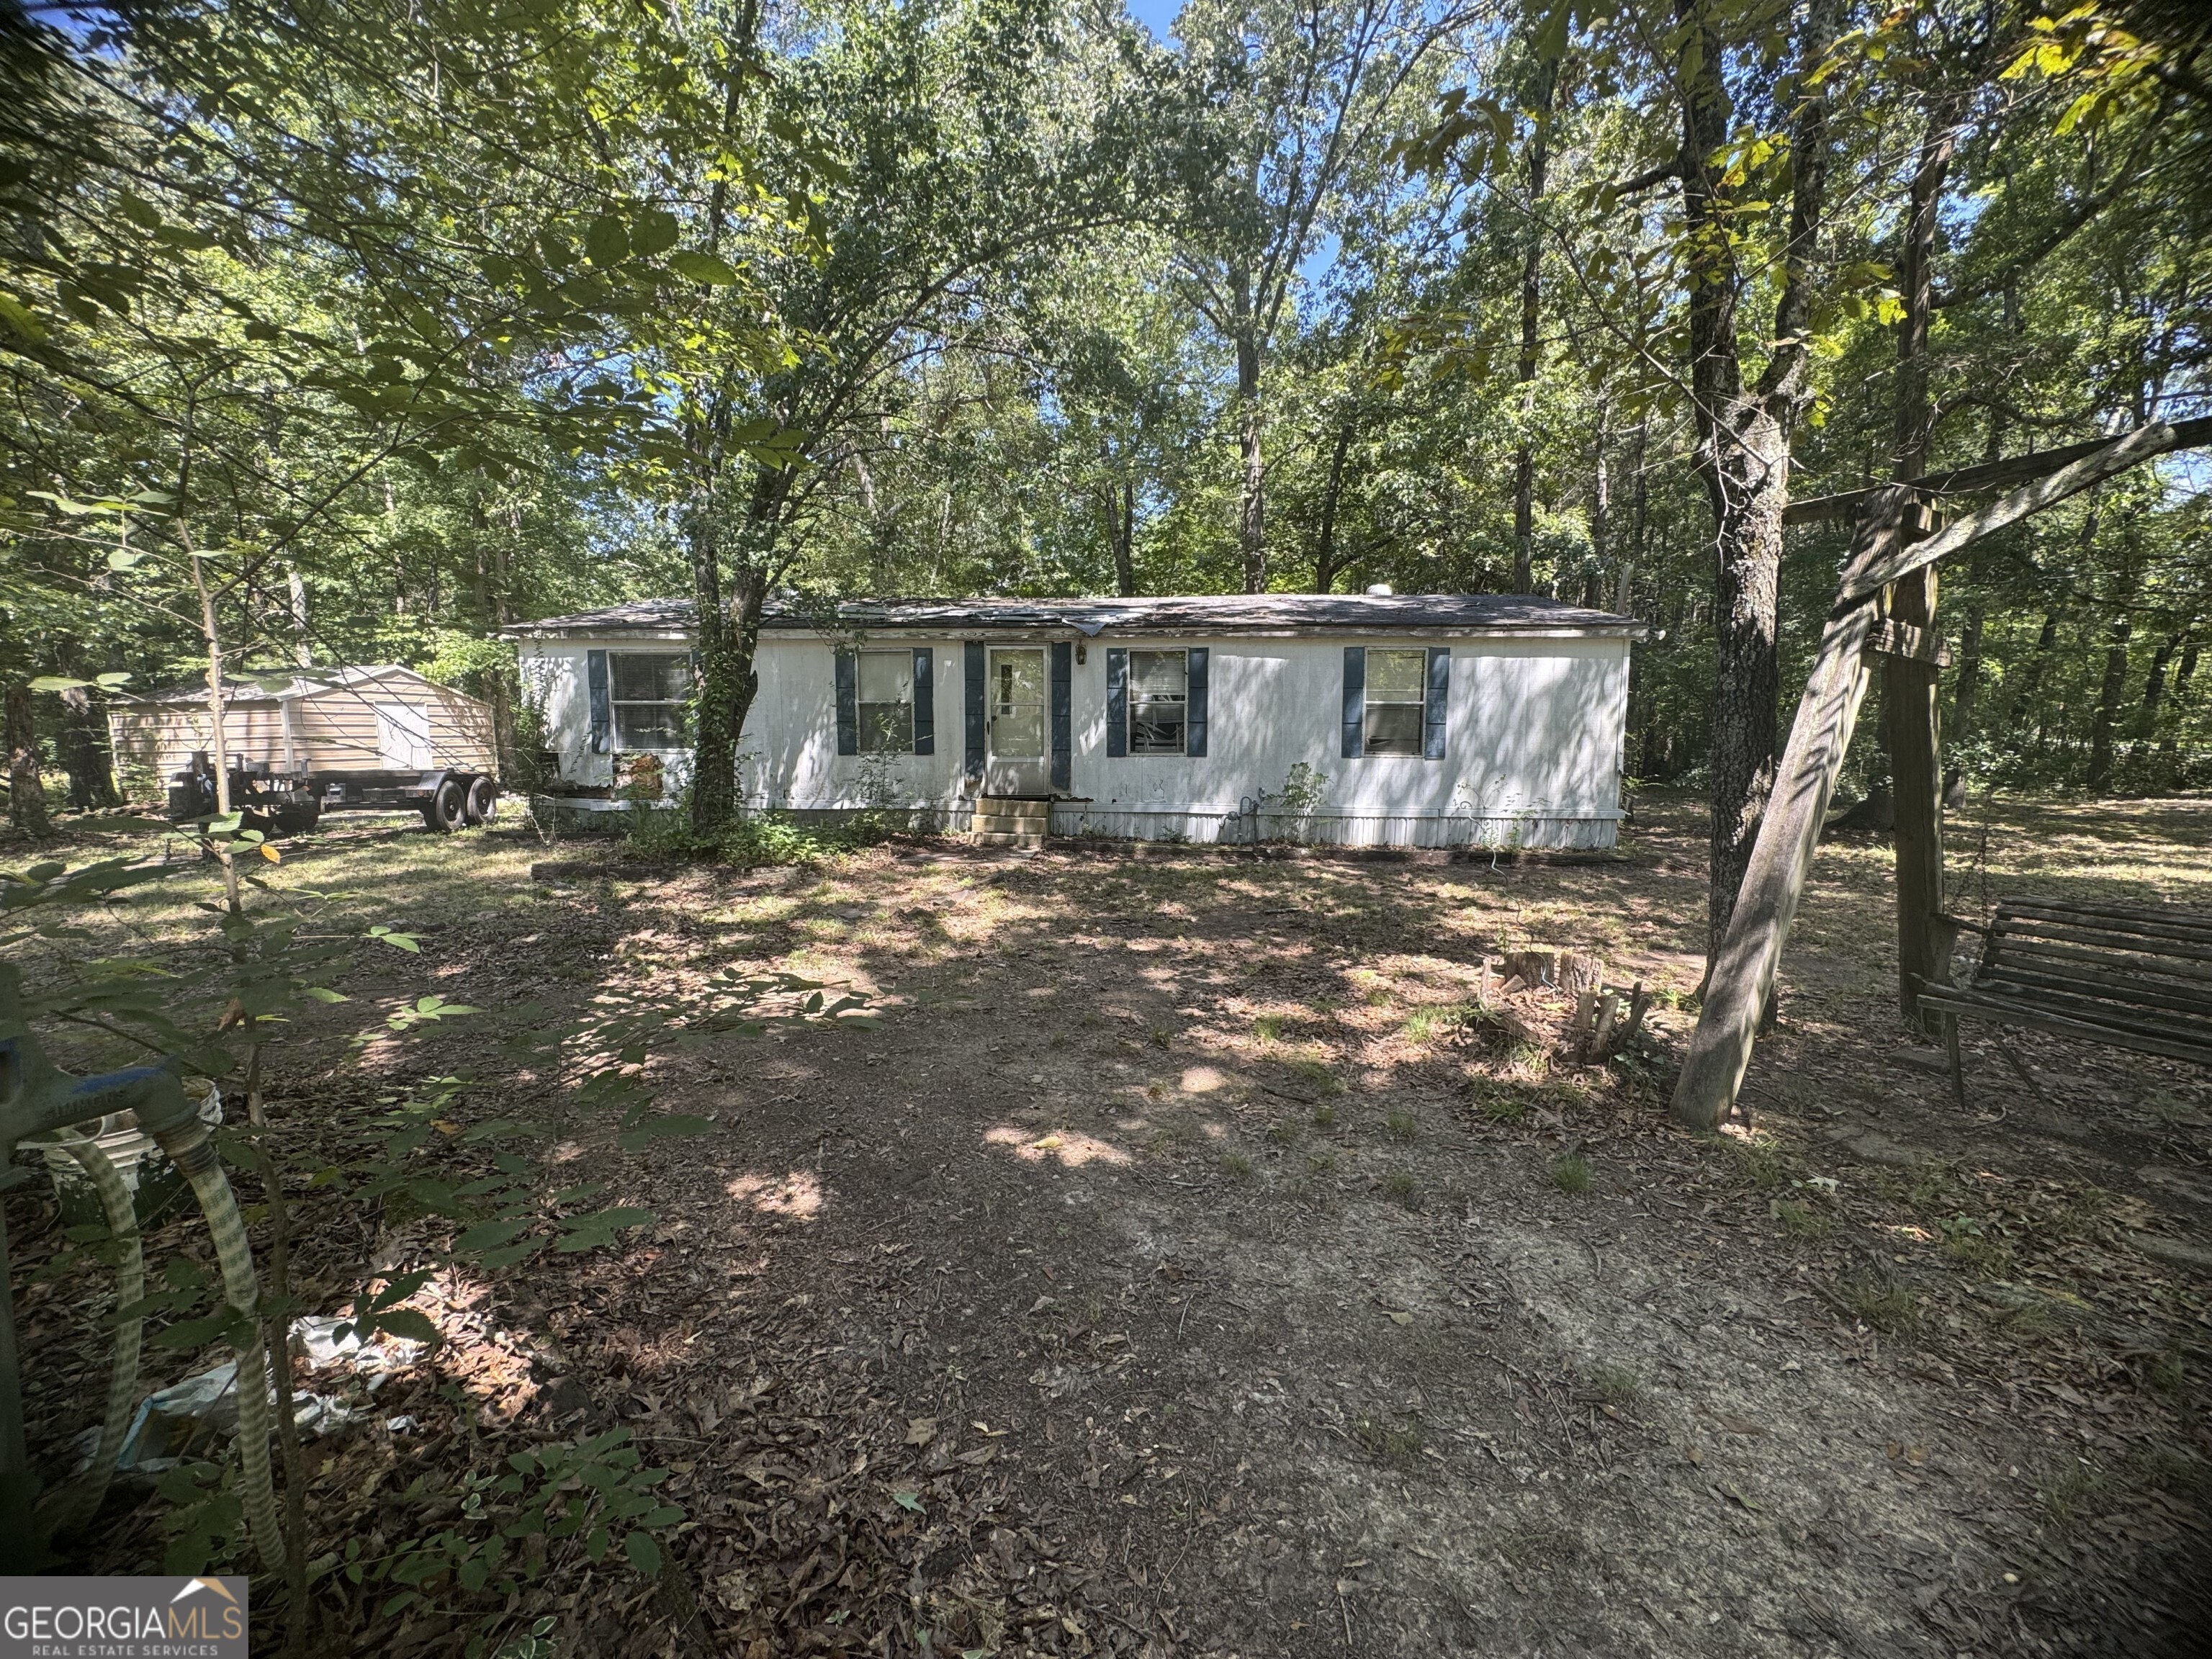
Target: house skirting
(1434, 830)
(1210, 825)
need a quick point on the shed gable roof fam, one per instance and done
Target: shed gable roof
(1234, 613)
(302, 683)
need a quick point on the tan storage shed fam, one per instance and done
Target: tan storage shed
(381, 735)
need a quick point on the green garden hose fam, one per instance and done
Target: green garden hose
(84, 1503)
(190, 1147)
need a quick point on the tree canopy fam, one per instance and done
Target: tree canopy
(355, 331)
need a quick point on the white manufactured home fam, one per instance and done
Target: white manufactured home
(1377, 720)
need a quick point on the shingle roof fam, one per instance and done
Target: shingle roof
(1235, 613)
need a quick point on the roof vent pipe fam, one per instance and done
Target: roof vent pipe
(1379, 590)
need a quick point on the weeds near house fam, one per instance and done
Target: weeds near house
(1236, 1166)
(1400, 1125)
(1571, 1174)
(1402, 1188)
(1268, 1028)
(1324, 1117)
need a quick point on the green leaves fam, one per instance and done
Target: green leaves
(696, 267)
(598, 1229)
(427, 1010)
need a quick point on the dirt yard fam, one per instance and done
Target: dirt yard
(1184, 1263)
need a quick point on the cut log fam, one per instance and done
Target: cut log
(1531, 968)
(1578, 971)
(1639, 1004)
(1608, 1011)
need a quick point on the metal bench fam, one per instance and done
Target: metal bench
(2126, 976)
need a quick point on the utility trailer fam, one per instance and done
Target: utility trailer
(323, 738)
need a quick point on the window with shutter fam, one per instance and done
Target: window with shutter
(1397, 702)
(884, 703)
(650, 689)
(1159, 698)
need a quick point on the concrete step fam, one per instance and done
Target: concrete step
(1026, 843)
(1013, 807)
(1003, 823)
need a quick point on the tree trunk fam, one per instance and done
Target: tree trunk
(1601, 507)
(1532, 295)
(84, 752)
(2169, 748)
(2109, 694)
(715, 734)
(1910, 687)
(1969, 675)
(2154, 693)
(2022, 704)
(729, 640)
(1122, 535)
(1251, 505)
(1743, 433)
(303, 649)
(1325, 569)
(27, 789)
(2108, 704)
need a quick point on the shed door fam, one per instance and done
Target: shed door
(403, 736)
(1018, 761)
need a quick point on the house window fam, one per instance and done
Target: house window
(1397, 701)
(1159, 701)
(650, 689)
(885, 702)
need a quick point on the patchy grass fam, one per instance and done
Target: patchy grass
(1396, 1442)
(1571, 1174)
(1616, 1385)
(1883, 1304)
(1802, 1220)
(1402, 1188)
(1400, 1125)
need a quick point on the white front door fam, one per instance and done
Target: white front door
(1018, 760)
(403, 736)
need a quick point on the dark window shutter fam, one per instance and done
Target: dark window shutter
(603, 708)
(1063, 714)
(972, 659)
(1439, 700)
(925, 701)
(1117, 702)
(1355, 701)
(848, 703)
(1197, 663)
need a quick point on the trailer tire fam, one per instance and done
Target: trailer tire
(482, 801)
(448, 806)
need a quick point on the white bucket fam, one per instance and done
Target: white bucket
(147, 1175)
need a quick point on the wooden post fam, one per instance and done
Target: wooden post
(1743, 972)
(1910, 709)
(1788, 832)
